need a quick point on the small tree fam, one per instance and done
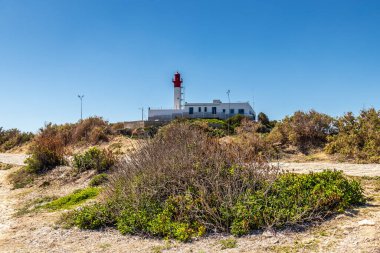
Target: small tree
(263, 118)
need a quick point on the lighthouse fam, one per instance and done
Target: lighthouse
(177, 81)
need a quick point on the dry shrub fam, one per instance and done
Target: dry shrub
(184, 160)
(88, 131)
(304, 130)
(91, 130)
(47, 151)
(250, 140)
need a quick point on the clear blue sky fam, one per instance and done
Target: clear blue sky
(289, 55)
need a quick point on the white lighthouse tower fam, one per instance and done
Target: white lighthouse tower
(177, 81)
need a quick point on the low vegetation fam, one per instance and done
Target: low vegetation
(185, 183)
(73, 199)
(229, 243)
(21, 178)
(99, 179)
(12, 138)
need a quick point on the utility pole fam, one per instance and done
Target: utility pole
(81, 106)
(229, 110)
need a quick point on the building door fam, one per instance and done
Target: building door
(214, 110)
(191, 110)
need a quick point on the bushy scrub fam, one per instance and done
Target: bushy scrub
(358, 137)
(185, 183)
(94, 158)
(12, 138)
(304, 130)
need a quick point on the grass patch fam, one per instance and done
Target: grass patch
(229, 243)
(73, 199)
(99, 179)
(34, 205)
(160, 248)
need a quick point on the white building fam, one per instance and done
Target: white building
(216, 109)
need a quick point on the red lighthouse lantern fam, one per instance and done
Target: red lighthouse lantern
(177, 81)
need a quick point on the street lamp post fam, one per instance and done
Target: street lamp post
(229, 110)
(142, 114)
(81, 106)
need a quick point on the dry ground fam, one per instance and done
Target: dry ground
(37, 232)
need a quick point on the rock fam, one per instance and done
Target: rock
(366, 223)
(268, 234)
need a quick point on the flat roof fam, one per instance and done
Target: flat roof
(234, 103)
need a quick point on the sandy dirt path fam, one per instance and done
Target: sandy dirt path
(16, 159)
(347, 168)
(7, 204)
(359, 170)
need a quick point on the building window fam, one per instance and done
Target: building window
(232, 111)
(241, 111)
(199, 109)
(224, 110)
(191, 110)
(205, 109)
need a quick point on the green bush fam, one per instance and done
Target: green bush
(296, 198)
(90, 217)
(185, 183)
(94, 158)
(99, 179)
